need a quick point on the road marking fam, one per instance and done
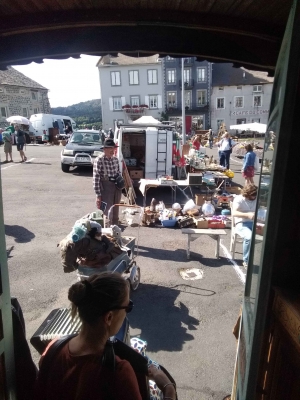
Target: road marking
(16, 164)
(238, 162)
(241, 275)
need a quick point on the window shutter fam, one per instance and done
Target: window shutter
(159, 101)
(123, 100)
(155, 80)
(147, 100)
(111, 104)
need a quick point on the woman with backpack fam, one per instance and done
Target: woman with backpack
(84, 367)
(225, 149)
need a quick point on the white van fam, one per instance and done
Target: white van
(146, 150)
(42, 122)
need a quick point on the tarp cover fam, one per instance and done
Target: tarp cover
(255, 127)
(147, 120)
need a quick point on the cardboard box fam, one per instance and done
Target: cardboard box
(201, 223)
(185, 149)
(260, 229)
(136, 174)
(199, 199)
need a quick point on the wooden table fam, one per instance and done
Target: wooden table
(193, 234)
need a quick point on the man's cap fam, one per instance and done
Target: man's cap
(109, 143)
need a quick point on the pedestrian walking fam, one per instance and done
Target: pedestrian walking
(225, 149)
(106, 170)
(102, 136)
(11, 129)
(248, 169)
(7, 139)
(110, 133)
(210, 138)
(21, 140)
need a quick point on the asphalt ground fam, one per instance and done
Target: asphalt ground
(187, 324)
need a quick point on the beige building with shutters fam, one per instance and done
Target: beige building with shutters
(130, 88)
(20, 95)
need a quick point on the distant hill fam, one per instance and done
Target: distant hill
(85, 113)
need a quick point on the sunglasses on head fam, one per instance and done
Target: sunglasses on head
(128, 308)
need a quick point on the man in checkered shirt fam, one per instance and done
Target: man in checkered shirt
(106, 167)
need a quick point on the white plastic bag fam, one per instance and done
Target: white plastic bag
(160, 207)
(189, 205)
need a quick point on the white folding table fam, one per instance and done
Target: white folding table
(193, 234)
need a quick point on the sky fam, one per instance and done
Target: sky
(69, 81)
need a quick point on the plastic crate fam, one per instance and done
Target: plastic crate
(168, 223)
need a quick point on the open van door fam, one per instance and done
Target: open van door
(118, 136)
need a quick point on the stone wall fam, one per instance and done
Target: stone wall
(15, 98)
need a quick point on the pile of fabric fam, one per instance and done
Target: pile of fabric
(86, 245)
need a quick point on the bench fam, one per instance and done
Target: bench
(193, 234)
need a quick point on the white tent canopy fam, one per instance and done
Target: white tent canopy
(147, 120)
(254, 127)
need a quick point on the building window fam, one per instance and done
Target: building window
(239, 101)
(257, 88)
(220, 102)
(171, 99)
(135, 100)
(240, 121)
(153, 101)
(171, 76)
(133, 77)
(256, 120)
(36, 110)
(257, 101)
(117, 103)
(115, 78)
(239, 87)
(34, 95)
(219, 123)
(152, 76)
(201, 98)
(168, 58)
(25, 112)
(188, 60)
(221, 88)
(4, 112)
(187, 75)
(188, 98)
(201, 74)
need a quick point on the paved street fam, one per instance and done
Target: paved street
(187, 324)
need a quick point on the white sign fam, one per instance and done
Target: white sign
(250, 112)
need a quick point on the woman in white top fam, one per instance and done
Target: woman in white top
(225, 149)
(243, 210)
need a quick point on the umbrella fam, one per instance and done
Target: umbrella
(17, 119)
(254, 126)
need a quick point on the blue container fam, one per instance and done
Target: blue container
(225, 212)
(168, 223)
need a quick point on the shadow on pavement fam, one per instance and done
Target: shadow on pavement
(21, 234)
(8, 251)
(178, 255)
(82, 171)
(160, 319)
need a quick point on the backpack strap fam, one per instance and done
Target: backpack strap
(49, 356)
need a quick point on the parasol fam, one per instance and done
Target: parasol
(18, 119)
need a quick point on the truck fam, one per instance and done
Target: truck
(146, 150)
(43, 122)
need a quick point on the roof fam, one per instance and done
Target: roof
(246, 33)
(122, 59)
(226, 75)
(12, 77)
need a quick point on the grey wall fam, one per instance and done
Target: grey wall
(143, 89)
(230, 114)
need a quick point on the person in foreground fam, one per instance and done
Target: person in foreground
(106, 169)
(248, 169)
(76, 372)
(243, 210)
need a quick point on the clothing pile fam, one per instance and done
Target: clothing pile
(85, 245)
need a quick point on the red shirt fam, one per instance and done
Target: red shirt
(196, 144)
(84, 378)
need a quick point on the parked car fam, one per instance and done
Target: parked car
(81, 150)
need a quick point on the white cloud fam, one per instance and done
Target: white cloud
(69, 81)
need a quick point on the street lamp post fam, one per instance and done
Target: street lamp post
(183, 102)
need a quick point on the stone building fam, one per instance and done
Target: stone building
(20, 95)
